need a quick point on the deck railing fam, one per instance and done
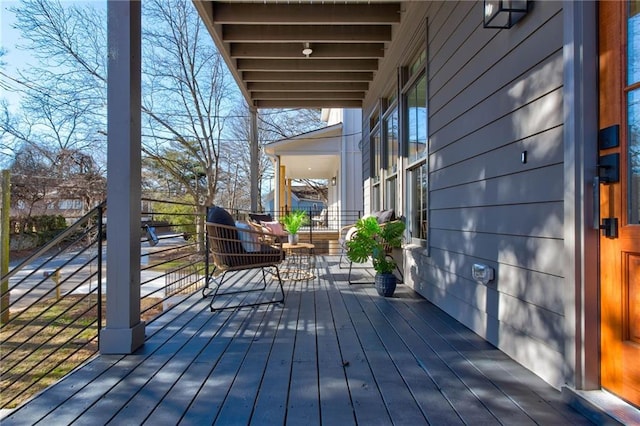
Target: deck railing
(331, 219)
(53, 310)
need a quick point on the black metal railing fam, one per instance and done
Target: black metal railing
(54, 309)
(173, 254)
(331, 219)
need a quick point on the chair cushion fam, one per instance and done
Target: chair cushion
(261, 217)
(220, 216)
(274, 228)
(385, 216)
(249, 240)
(228, 237)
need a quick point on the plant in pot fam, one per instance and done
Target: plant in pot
(292, 222)
(374, 241)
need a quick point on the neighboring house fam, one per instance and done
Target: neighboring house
(329, 153)
(502, 148)
(302, 197)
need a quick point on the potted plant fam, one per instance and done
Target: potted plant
(374, 241)
(292, 222)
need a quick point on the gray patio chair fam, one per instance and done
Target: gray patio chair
(233, 248)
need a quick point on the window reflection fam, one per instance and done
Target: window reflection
(417, 119)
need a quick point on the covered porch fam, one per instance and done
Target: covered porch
(334, 353)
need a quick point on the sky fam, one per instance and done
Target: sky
(15, 58)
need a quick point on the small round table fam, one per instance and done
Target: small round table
(301, 261)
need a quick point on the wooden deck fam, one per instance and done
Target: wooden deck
(334, 354)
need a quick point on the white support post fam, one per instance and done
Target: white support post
(124, 332)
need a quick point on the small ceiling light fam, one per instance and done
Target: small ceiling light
(334, 181)
(307, 50)
(504, 13)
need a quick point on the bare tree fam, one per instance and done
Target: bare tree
(187, 93)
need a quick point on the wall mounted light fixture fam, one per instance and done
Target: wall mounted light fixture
(334, 180)
(504, 13)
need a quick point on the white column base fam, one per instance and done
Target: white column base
(121, 341)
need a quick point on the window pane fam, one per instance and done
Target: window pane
(417, 119)
(391, 130)
(376, 156)
(417, 64)
(375, 198)
(633, 120)
(418, 202)
(633, 43)
(390, 194)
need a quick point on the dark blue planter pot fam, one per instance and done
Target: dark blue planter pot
(385, 284)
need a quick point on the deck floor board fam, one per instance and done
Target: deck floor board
(332, 354)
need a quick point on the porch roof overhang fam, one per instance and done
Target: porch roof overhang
(312, 155)
(262, 43)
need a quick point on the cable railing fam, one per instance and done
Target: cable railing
(56, 296)
(173, 254)
(52, 310)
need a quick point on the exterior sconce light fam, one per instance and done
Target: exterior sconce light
(307, 50)
(334, 181)
(504, 13)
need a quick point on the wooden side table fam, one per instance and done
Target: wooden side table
(300, 263)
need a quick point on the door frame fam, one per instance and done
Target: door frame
(582, 303)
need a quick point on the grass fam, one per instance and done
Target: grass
(42, 344)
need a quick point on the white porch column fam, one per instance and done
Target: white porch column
(124, 332)
(276, 184)
(255, 160)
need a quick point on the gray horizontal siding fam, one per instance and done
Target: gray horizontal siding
(492, 95)
(536, 288)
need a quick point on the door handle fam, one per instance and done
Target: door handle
(609, 225)
(596, 203)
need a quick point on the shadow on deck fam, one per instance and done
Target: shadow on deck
(333, 354)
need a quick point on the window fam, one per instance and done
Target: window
(418, 190)
(375, 143)
(416, 102)
(390, 193)
(70, 204)
(415, 148)
(392, 142)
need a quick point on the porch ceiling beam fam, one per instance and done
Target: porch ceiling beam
(249, 76)
(279, 14)
(307, 95)
(307, 86)
(305, 64)
(308, 103)
(294, 50)
(306, 33)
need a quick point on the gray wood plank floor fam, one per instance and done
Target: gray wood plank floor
(333, 354)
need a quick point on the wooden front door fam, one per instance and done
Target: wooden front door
(619, 143)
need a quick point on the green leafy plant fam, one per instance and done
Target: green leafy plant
(293, 221)
(375, 241)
